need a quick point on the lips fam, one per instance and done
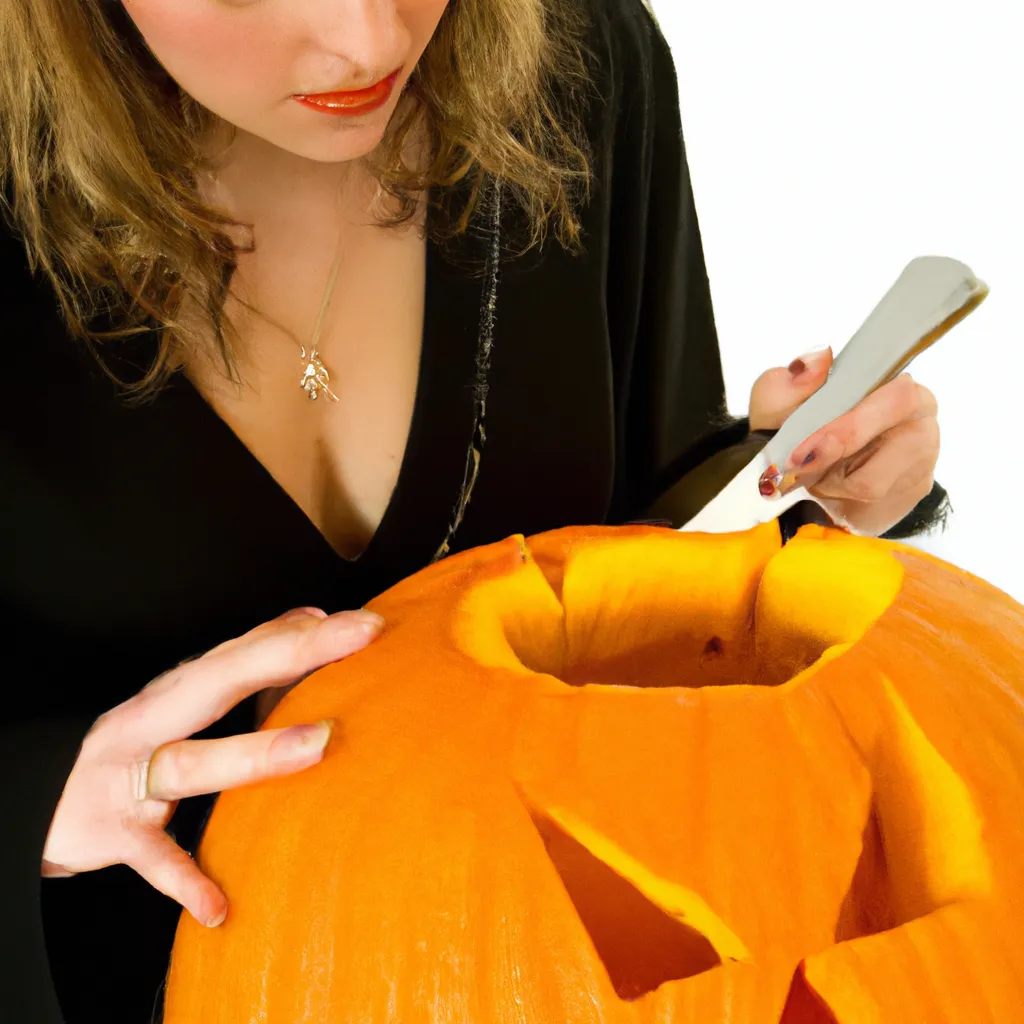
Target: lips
(352, 103)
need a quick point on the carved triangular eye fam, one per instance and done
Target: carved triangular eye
(640, 944)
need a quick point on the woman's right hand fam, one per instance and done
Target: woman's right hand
(137, 762)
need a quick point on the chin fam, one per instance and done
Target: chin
(336, 141)
(334, 154)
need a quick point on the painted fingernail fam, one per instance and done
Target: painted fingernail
(808, 361)
(796, 461)
(770, 481)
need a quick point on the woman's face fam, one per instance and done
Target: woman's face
(247, 60)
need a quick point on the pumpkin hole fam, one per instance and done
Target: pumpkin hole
(714, 647)
(630, 634)
(646, 612)
(640, 946)
(672, 653)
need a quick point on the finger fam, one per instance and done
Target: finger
(777, 393)
(169, 869)
(194, 767)
(908, 448)
(902, 400)
(299, 616)
(194, 696)
(903, 465)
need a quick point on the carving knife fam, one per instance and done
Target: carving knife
(932, 295)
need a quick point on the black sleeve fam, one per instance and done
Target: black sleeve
(36, 759)
(672, 414)
(680, 444)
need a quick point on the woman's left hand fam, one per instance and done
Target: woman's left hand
(869, 467)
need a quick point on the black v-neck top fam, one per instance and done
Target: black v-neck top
(133, 537)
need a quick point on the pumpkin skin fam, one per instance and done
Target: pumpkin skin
(631, 775)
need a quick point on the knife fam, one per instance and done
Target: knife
(932, 295)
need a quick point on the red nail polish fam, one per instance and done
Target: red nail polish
(770, 480)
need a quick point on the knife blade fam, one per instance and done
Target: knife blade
(933, 294)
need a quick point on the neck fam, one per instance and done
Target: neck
(255, 179)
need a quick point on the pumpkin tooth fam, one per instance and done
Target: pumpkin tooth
(950, 966)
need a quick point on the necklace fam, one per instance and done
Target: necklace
(315, 379)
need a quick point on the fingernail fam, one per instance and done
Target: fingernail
(808, 360)
(298, 614)
(301, 741)
(367, 620)
(796, 460)
(216, 922)
(771, 480)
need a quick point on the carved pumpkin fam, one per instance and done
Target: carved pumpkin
(629, 775)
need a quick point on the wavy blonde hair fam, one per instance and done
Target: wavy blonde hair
(100, 155)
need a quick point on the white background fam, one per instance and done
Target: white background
(829, 144)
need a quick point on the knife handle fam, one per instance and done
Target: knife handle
(931, 295)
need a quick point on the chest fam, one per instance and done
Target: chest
(337, 457)
(142, 534)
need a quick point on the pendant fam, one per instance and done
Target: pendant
(315, 378)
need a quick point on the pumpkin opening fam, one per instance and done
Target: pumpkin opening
(648, 612)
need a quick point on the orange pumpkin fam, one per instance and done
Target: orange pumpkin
(629, 775)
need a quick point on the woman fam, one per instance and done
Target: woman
(298, 296)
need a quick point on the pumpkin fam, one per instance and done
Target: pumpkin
(630, 775)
